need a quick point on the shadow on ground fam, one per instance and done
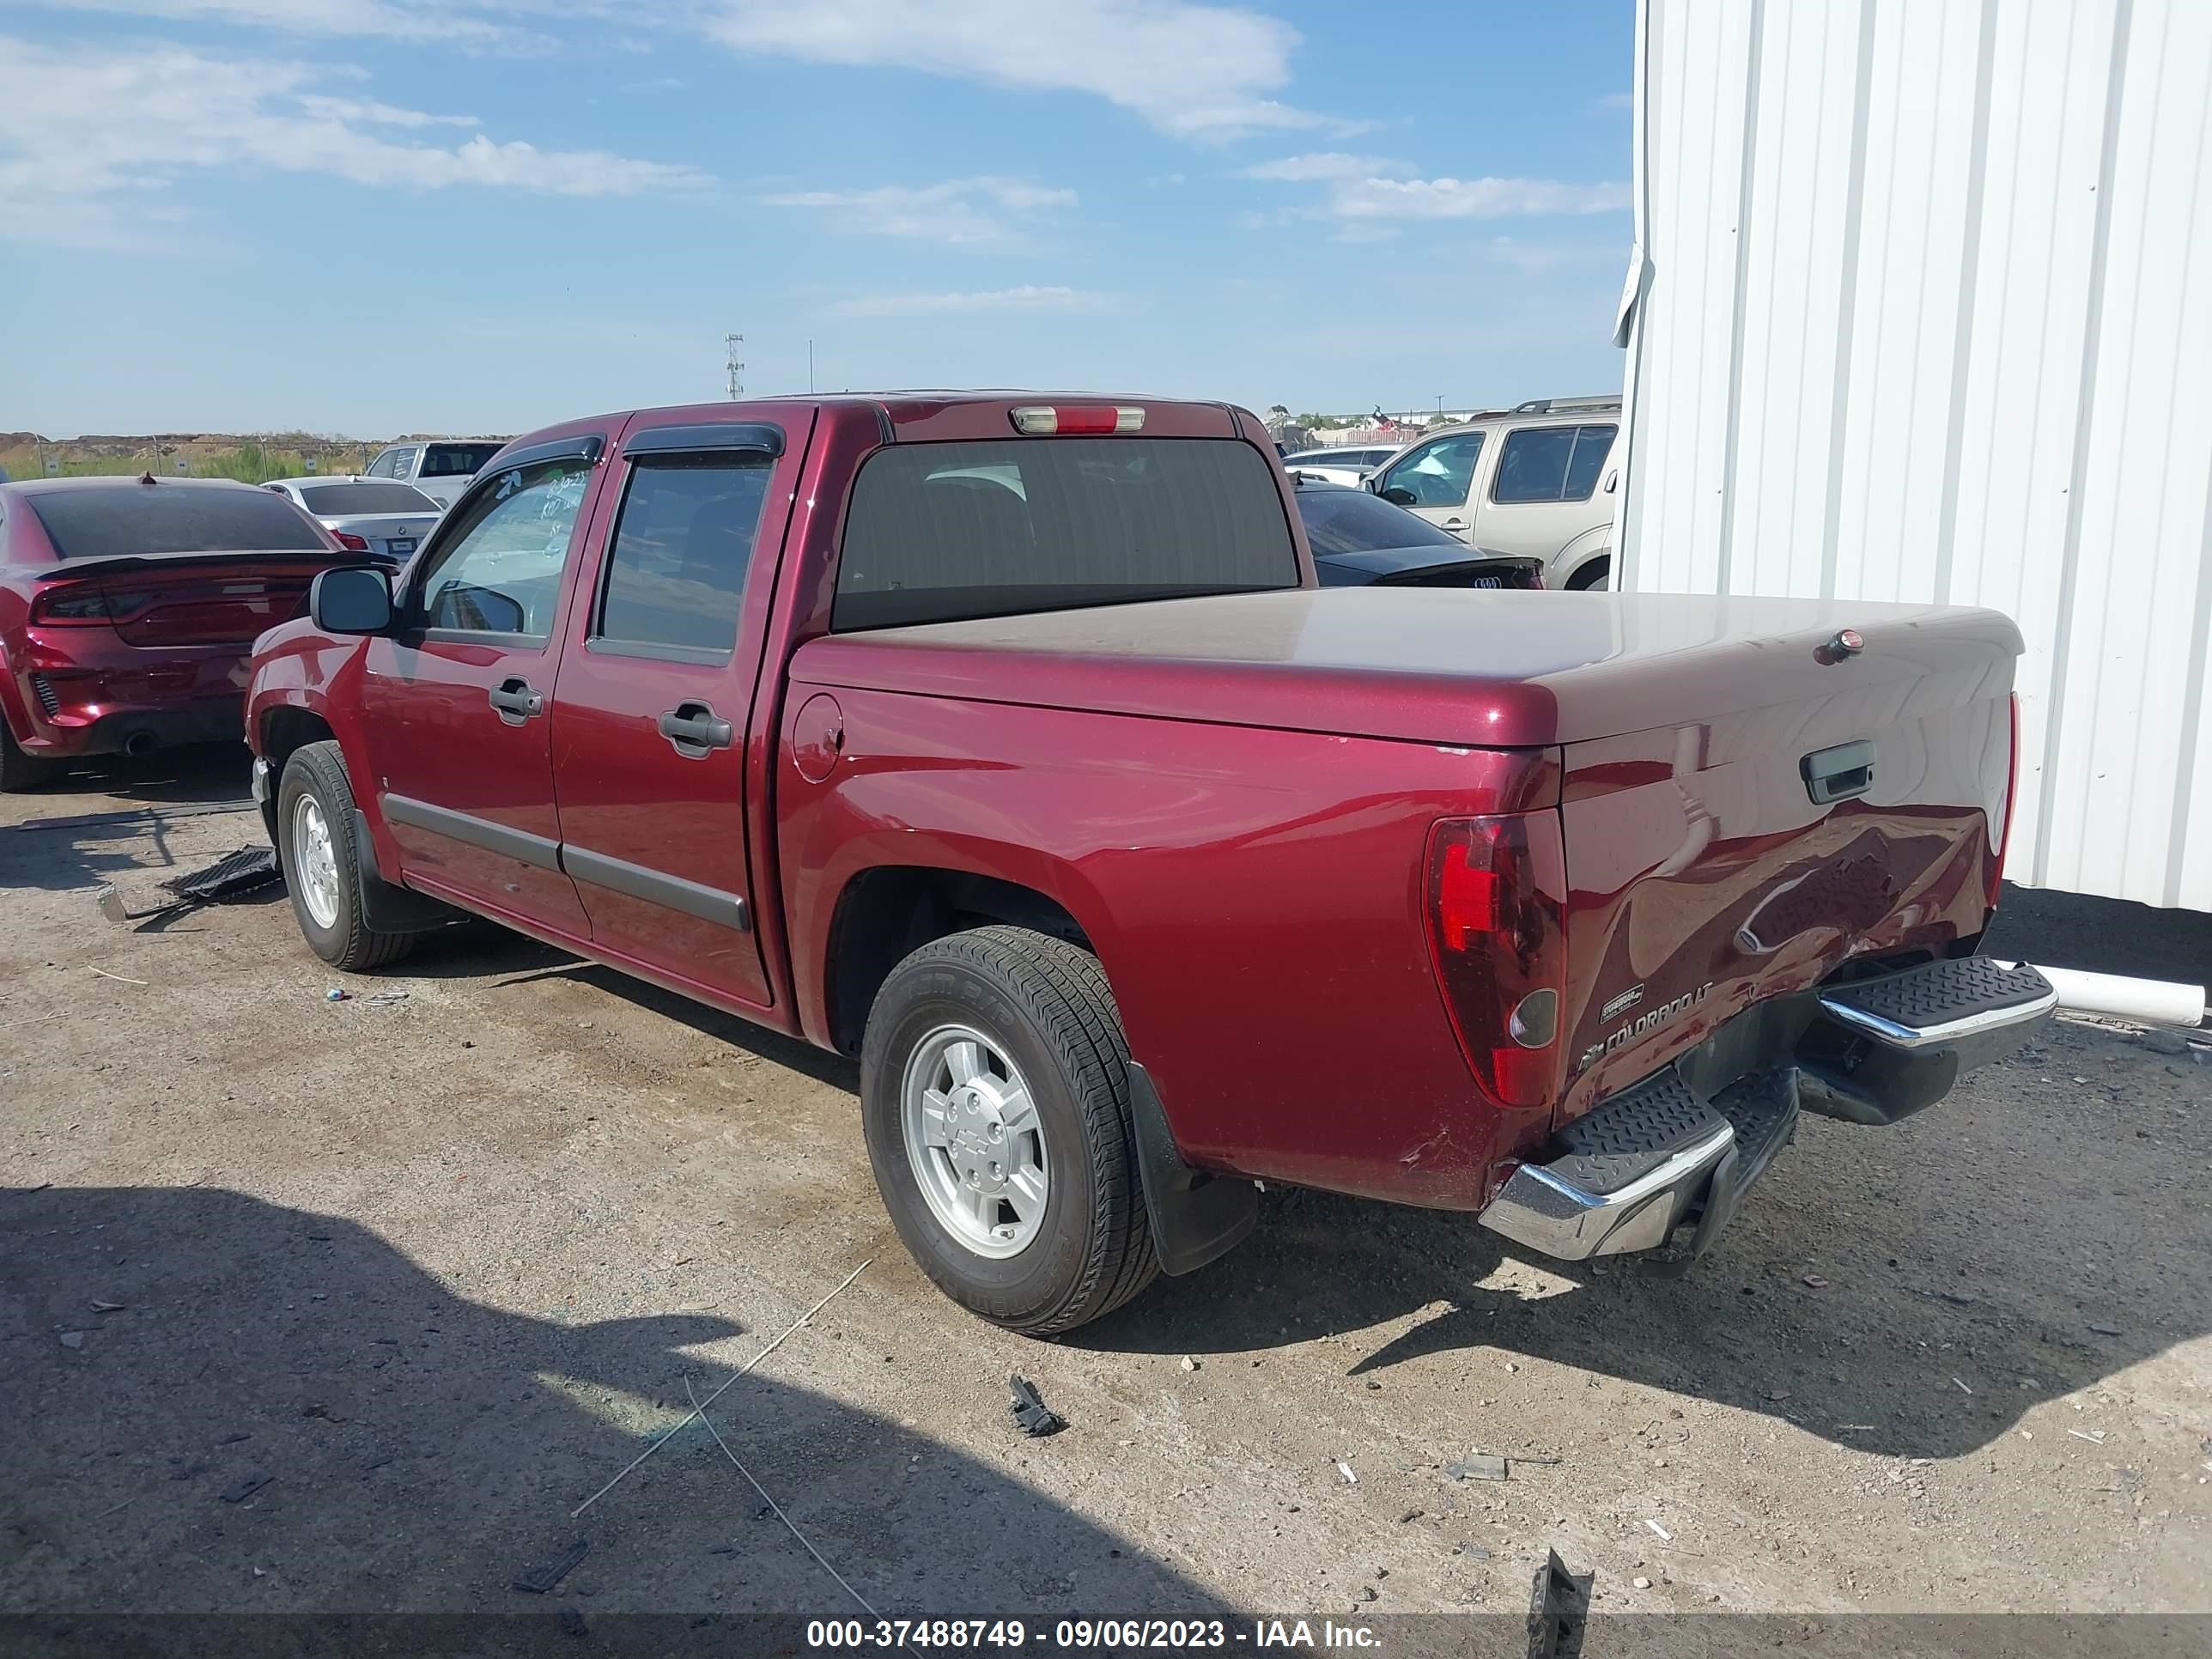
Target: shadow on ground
(112, 819)
(422, 1451)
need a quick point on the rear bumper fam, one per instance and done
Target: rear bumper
(1625, 1175)
(92, 693)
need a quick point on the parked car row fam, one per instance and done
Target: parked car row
(1539, 480)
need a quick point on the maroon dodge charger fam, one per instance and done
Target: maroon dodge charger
(128, 607)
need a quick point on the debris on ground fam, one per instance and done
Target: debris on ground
(1478, 1466)
(245, 1486)
(2096, 1437)
(1963, 1389)
(1188, 1364)
(1031, 1415)
(232, 876)
(1665, 1537)
(1640, 1582)
(546, 1574)
(384, 997)
(120, 979)
(106, 1307)
(1345, 1469)
(336, 994)
(1814, 1282)
(2105, 1330)
(72, 1339)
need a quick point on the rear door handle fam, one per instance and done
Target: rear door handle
(515, 701)
(695, 729)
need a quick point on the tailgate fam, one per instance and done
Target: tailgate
(203, 599)
(1845, 810)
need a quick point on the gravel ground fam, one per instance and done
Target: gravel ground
(439, 1266)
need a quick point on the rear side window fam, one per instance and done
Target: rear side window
(100, 523)
(1551, 463)
(382, 495)
(676, 575)
(456, 460)
(938, 533)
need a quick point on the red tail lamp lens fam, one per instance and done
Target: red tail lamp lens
(1497, 906)
(351, 542)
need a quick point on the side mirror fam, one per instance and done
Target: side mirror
(1612, 481)
(351, 599)
(1399, 495)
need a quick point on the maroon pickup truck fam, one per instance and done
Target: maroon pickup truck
(1006, 743)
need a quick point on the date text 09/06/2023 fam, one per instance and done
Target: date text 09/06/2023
(1076, 1635)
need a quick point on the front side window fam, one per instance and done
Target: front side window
(499, 569)
(1551, 463)
(941, 532)
(1439, 474)
(676, 573)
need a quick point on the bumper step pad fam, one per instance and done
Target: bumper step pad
(1940, 1002)
(1631, 1134)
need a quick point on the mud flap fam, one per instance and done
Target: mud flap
(384, 907)
(1196, 1216)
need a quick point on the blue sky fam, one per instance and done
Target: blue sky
(365, 217)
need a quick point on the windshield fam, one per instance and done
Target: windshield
(1354, 521)
(942, 532)
(100, 523)
(333, 501)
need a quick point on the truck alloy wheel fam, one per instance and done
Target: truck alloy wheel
(315, 844)
(994, 1093)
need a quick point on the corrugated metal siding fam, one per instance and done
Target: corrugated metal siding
(1916, 324)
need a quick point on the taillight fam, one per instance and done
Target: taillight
(1497, 910)
(351, 543)
(2003, 840)
(1076, 420)
(69, 605)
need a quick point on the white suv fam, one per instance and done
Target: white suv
(440, 467)
(1538, 479)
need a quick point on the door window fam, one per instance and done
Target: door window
(498, 569)
(1551, 463)
(676, 573)
(1439, 474)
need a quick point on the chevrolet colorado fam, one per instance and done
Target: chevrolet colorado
(1006, 743)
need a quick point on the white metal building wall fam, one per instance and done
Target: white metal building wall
(1922, 310)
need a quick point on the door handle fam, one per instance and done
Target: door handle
(1455, 523)
(695, 729)
(515, 701)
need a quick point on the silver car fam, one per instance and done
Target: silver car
(377, 516)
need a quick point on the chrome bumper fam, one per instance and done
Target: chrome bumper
(261, 790)
(1547, 1211)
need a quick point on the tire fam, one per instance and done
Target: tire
(315, 777)
(1044, 1007)
(1593, 574)
(20, 771)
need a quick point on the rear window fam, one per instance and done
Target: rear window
(1354, 521)
(370, 495)
(155, 519)
(455, 460)
(938, 533)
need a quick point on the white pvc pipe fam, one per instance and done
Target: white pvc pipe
(2152, 1002)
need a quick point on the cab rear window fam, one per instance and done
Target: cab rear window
(940, 532)
(102, 522)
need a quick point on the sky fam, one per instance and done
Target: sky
(362, 217)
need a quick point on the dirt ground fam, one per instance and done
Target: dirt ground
(438, 1267)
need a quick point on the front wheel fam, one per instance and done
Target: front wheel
(317, 846)
(994, 1095)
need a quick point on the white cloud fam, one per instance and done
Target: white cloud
(1194, 70)
(1469, 198)
(1327, 165)
(88, 133)
(445, 23)
(965, 211)
(1028, 297)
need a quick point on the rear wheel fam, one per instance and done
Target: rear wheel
(317, 845)
(995, 1097)
(18, 770)
(1592, 574)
